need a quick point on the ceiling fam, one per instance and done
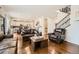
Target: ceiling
(32, 10)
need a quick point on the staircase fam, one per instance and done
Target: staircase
(64, 17)
(64, 22)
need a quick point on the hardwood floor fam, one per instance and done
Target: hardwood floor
(27, 49)
(53, 48)
(63, 48)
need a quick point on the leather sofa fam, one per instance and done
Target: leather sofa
(27, 33)
(58, 36)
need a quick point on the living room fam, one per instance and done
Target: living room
(32, 29)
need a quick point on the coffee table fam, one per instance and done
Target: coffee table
(38, 42)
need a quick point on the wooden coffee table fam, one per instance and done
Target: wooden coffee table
(38, 42)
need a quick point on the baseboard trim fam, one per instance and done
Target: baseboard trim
(71, 43)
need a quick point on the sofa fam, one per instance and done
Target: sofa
(58, 36)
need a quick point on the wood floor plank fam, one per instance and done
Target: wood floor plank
(64, 48)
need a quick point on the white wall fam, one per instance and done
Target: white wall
(51, 25)
(72, 34)
(50, 21)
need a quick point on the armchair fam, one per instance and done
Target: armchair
(58, 35)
